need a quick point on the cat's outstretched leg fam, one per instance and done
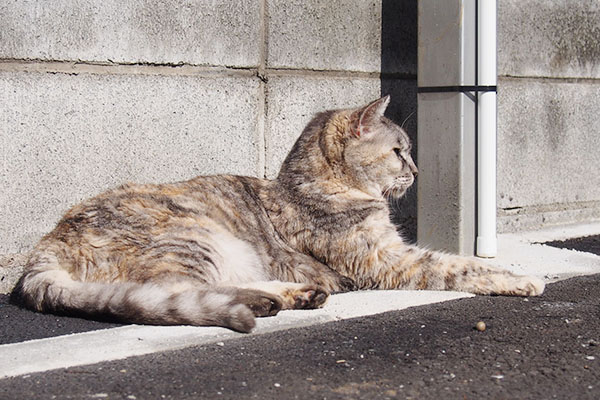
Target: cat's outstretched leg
(409, 267)
(424, 269)
(471, 275)
(293, 295)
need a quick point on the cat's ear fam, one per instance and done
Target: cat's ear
(364, 118)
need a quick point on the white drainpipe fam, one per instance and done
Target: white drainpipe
(486, 138)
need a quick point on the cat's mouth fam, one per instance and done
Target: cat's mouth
(398, 188)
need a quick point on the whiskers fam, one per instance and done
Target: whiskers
(393, 192)
(406, 119)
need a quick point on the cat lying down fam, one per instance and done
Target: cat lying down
(220, 250)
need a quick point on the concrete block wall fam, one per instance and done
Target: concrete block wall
(548, 119)
(98, 93)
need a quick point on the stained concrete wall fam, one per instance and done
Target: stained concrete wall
(98, 93)
(548, 119)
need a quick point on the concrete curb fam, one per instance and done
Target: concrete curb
(523, 253)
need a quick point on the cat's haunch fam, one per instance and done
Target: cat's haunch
(220, 250)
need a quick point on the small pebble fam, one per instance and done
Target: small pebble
(480, 326)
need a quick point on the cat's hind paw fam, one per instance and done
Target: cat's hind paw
(261, 303)
(240, 319)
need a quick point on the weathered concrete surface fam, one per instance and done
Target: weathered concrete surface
(548, 152)
(68, 137)
(548, 147)
(330, 35)
(446, 51)
(223, 32)
(547, 143)
(446, 187)
(11, 268)
(523, 218)
(559, 38)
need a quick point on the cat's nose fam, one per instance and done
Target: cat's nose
(414, 170)
(413, 167)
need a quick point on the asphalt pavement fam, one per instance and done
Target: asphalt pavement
(18, 324)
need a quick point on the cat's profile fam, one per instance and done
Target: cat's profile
(220, 250)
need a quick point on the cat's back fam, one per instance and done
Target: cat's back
(143, 211)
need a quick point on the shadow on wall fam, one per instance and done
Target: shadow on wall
(399, 79)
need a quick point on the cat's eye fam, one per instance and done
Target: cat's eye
(398, 152)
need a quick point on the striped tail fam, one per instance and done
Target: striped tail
(54, 291)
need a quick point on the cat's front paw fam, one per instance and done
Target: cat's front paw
(305, 297)
(529, 286)
(515, 285)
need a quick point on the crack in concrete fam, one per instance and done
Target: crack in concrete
(262, 72)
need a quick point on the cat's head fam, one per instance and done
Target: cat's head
(357, 147)
(376, 151)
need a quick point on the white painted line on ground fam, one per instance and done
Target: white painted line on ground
(118, 343)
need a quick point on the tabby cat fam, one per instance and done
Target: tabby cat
(220, 250)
